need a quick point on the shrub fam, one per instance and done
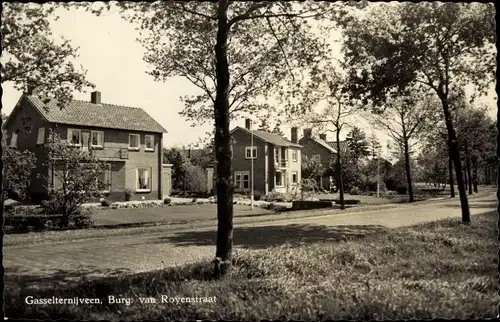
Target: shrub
(105, 203)
(82, 218)
(196, 179)
(401, 189)
(194, 200)
(128, 194)
(167, 201)
(17, 167)
(275, 196)
(355, 191)
(257, 195)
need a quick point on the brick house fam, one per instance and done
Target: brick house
(317, 147)
(128, 139)
(276, 160)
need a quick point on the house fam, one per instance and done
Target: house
(276, 160)
(316, 147)
(128, 139)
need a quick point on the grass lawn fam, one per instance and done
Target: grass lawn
(435, 270)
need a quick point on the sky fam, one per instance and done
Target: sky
(108, 50)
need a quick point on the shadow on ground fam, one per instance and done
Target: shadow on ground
(484, 205)
(267, 236)
(59, 278)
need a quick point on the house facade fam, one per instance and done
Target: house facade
(316, 147)
(276, 161)
(128, 139)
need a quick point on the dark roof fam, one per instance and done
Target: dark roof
(104, 115)
(323, 143)
(343, 144)
(269, 137)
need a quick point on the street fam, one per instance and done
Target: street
(137, 253)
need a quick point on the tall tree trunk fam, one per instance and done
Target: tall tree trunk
(474, 175)
(468, 169)
(450, 172)
(455, 155)
(407, 170)
(223, 150)
(339, 171)
(466, 181)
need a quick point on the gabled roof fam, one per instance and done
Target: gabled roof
(104, 115)
(268, 137)
(321, 142)
(343, 144)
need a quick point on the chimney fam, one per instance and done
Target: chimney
(322, 137)
(248, 124)
(307, 133)
(31, 90)
(95, 97)
(293, 136)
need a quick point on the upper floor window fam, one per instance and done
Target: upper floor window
(13, 139)
(133, 142)
(251, 152)
(75, 137)
(149, 142)
(97, 139)
(294, 155)
(41, 136)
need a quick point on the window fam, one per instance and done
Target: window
(133, 142)
(241, 180)
(316, 157)
(75, 137)
(279, 179)
(149, 142)
(41, 136)
(251, 152)
(237, 180)
(13, 139)
(276, 155)
(97, 139)
(294, 155)
(295, 177)
(246, 181)
(104, 178)
(143, 179)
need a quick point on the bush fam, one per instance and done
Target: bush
(194, 200)
(257, 195)
(355, 191)
(105, 203)
(401, 190)
(128, 194)
(167, 201)
(275, 196)
(196, 179)
(82, 218)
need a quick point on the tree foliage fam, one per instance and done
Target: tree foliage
(78, 173)
(438, 46)
(31, 57)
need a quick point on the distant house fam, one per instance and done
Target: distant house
(276, 160)
(128, 139)
(318, 148)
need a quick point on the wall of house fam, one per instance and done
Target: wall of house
(125, 175)
(25, 120)
(310, 148)
(294, 166)
(240, 163)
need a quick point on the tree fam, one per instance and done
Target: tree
(338, 113)
(358, 145)
(237, 54)
(178, 160)
(78, 173)
(31, 57)
(311, 169)
(439, 46)
(18, 166)
(264, 125)
(196, 180)
(277, 129)
(405, 120)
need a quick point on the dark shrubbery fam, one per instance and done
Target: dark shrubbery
(167, 201)
(105, 203)
(401, 190)
(257, 195)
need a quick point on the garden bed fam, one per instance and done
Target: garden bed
(311, 204)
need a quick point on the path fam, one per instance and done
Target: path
(128, 254)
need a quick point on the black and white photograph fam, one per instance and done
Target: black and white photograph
(249, 160)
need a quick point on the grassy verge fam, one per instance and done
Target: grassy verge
(90, 233)
(435, 270)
